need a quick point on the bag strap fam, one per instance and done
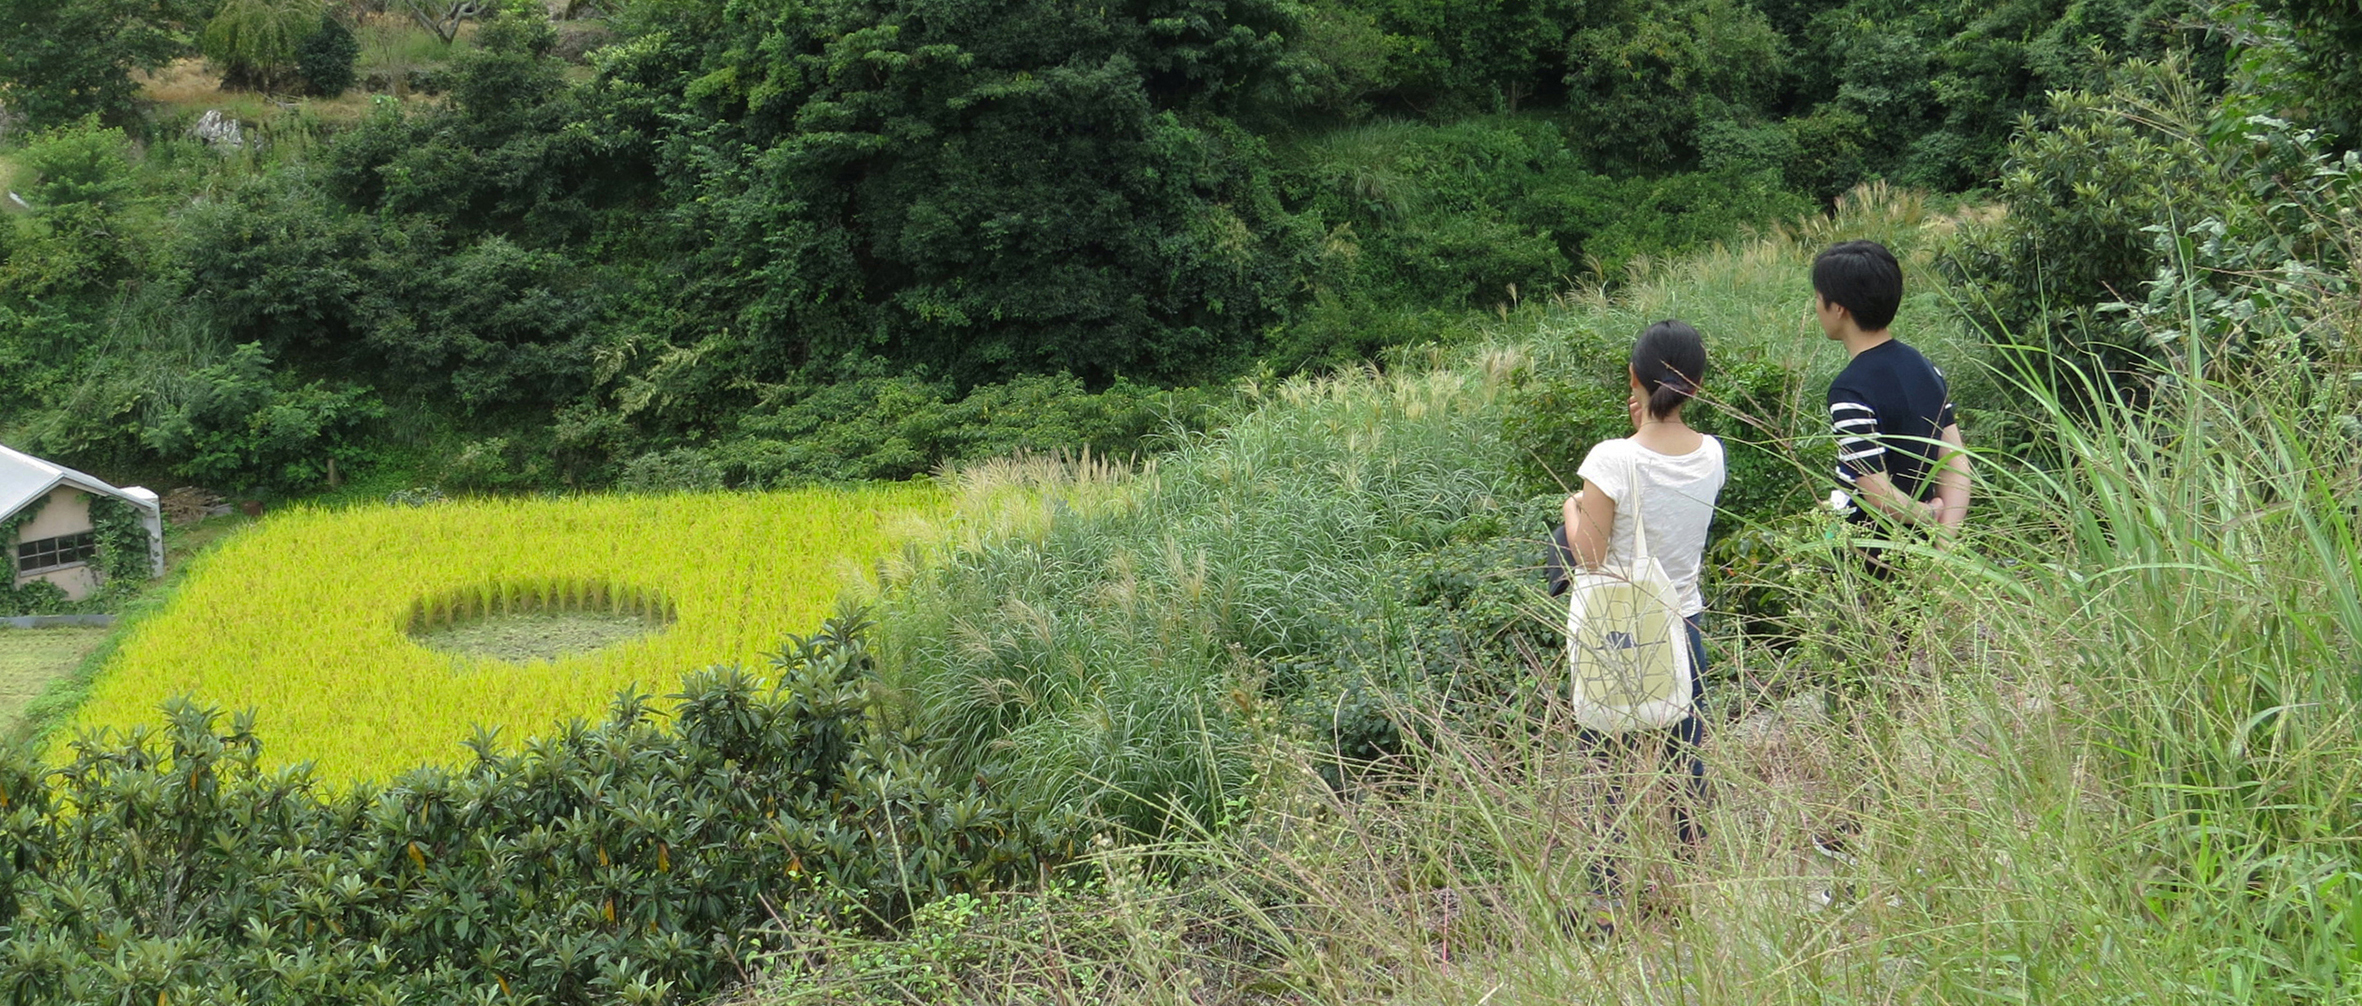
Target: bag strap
(1639, 522)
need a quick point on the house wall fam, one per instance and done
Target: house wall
(67, 512)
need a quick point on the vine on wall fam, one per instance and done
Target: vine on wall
(122, 538)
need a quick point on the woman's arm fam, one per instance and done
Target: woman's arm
(1590, 516)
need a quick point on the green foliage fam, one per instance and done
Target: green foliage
(621, 861)
(81, 164)
(2324, 48)
(1928, 94)
(1643, 81)
(484, 323)
(1479, 214)
(1114, 658)
(894, 428)
(682, 469)
(122, 538)
(61, 60)
(1449, 216)
(33, 597)
(1493, 55)
(968, 948)
(1028, 189)
(82, 185)
(2132, 201)
(490, 465)
(257, 41)
(325, 58)
(239, 421)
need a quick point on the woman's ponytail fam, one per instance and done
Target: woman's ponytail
(1670, 362)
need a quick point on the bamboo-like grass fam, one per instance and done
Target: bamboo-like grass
(307, 618)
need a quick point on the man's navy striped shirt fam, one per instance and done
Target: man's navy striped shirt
(1887, 408)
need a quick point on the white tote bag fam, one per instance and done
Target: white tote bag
(1626, 645)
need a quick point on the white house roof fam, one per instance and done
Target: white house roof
(25, 478)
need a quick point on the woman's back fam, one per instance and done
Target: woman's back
(1677, 495)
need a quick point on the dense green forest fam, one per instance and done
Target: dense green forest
(689, 242)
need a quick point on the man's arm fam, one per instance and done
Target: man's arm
(1861, 461)
(1950, 506)
(1876, 491)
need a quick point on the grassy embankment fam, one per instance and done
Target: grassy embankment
(2104, 748)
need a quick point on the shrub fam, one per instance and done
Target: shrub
(618, 861)
(2132, 199)
(682, 469)
(897, 427)
(326, 58)
(257, 42)
(238, 424)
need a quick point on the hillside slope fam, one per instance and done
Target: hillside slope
(2100, 749)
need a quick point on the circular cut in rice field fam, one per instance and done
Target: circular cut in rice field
(540, 635)
(371, 640)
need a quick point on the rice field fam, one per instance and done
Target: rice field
(31, 658)
(320, 620)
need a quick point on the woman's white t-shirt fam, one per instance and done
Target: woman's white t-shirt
(1676, 491)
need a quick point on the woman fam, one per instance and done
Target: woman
(1672, 475)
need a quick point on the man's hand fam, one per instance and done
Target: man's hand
(1949, 507)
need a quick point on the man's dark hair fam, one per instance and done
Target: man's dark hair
(1670, 360)
(1862, 277)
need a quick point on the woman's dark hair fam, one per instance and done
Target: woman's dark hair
(1670, 361)
(1862, 277)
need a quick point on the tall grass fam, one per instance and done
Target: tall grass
(1109, 656)
(2106, 750)
(2105, 747)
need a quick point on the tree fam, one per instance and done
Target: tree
(63, 59)
(443, 17)
(2328, 50)
(80, 188)
(985, 190)
(256, 40)
(1647, 76)
(326, 58)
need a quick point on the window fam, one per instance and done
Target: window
(50, 553)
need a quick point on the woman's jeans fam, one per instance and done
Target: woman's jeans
(1681, 749)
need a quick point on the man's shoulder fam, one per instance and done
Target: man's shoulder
(1883, 365)
(1903, 354)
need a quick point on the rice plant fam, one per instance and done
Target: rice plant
(308, 618)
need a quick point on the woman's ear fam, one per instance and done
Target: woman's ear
(1633, 376)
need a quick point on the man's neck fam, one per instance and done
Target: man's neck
(1857, 341)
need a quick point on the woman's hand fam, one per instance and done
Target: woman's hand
(1635, 411)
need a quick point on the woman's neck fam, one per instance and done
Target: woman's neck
(1669, 435)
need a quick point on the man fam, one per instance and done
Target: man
(1899, 454)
